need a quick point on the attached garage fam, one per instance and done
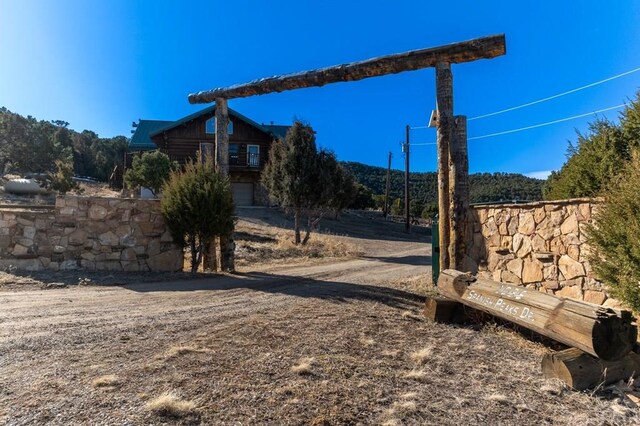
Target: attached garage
(242, 193)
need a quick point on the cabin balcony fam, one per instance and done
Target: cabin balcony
(250, 161)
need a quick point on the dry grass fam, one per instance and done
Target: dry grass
(553, 387)
(405, 407)
(497, 397)
(420, 284)
(412, 316)
(422, 356)
(418, 375)
(268, 244)
(109, 380)
(391, 353)
(367, 341)
(303, 367)
(176, 351)
(169, 404)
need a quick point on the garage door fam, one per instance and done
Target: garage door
(242, 193)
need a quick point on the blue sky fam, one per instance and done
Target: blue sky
(102, 64)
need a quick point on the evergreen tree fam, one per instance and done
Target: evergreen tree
(150, 170)
(614, 237)
(197, 204)
(306, 180)
(597, 157)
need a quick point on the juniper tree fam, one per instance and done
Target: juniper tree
(150, 170)
(614, 237)
(198, 206)
(305, 180)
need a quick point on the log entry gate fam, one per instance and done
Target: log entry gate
(453, 173)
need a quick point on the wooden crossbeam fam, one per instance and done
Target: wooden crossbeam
(466, 51)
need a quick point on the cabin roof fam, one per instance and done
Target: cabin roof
(141, 139)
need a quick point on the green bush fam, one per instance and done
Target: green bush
(62, 179)
(614, 237)
(150, 170)
(197, 204)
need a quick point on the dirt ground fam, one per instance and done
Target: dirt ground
(319, 342)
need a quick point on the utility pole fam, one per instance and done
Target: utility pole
(407, 225)
(385, 209)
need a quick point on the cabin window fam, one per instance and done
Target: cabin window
(234, 154)
(210, 126)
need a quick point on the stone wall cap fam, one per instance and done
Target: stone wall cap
(597, 200)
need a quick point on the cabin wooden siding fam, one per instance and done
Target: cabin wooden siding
(183, 142)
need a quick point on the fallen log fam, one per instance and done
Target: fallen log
(603, 332)
(581, 371)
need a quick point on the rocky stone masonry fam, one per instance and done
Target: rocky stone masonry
(538, 245)
(88, 233)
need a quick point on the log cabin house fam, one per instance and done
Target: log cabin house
(249, 144)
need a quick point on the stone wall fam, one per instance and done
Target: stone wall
(88, 233)
(538, 245)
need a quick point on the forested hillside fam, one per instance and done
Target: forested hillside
(29, 145)
(485, 187)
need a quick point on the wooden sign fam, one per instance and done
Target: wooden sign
(602, 332)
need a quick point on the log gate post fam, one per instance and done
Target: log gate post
(227, 245)
(444, 105)
(458, 193)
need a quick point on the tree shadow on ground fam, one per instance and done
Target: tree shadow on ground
(290, 285)
(413, 260)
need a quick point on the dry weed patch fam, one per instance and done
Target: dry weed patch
(267, 244)
(497, 397)
(405, 407)
(169, 404)
(418, 375)
(420, 357)
(109, 380)
(304, 366)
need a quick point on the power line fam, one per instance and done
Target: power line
(554, 96)
(532, 126)
(547, 123)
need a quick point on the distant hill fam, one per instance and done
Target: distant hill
(485, 187)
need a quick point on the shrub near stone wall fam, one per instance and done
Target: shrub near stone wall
(539, 245)
(89, 233)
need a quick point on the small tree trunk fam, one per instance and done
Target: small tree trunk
(194, 257)
(227, 249)
(312, 225)
(296, 225)
(210, 259)
(308, 233)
